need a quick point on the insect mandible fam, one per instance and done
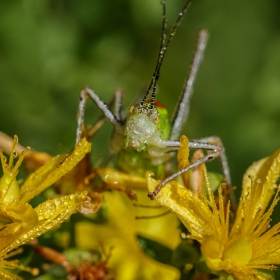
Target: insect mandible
(145, 139)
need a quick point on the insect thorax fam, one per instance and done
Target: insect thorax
(141, 150)
(137, 163)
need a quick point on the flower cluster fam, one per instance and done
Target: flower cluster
(244, 248)
(19, 221)
(233, 245)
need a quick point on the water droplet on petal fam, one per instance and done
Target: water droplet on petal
(14, 154)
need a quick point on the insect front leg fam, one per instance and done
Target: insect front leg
(118, 96)
(215, 140)
(181, 111)
(89, 93)
(214, 152)
(215, 147)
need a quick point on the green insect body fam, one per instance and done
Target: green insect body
(145, 129)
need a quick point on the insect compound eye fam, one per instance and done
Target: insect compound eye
(157, 119)
(131, 109)
(153, 115)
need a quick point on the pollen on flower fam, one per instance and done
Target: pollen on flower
(247, 245)
(20, 222)
(8, 168)
(13, 265)
(8, 185)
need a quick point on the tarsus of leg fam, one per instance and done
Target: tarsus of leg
(205, 159)
(212, 143)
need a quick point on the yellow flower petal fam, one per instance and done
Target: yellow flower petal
(127, 259)
(112, 176)
(191, 210)
(48, 174)
(22, 223)
(183, 159)
(251, 244)
(263, 174)
(51, 213)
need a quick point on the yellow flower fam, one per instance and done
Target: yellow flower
(20, 222)
(83, 176)
(246, 246)
(119, 234)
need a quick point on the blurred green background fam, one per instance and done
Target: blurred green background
(50, 49)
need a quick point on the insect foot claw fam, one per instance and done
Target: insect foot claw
(152, 195)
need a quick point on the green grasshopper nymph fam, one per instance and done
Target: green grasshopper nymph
(145, 140)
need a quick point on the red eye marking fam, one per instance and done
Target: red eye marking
(157, 104)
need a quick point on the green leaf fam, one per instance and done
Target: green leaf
(185, 253)
(215, 179)
(201, 267)
(268, 274)
(155, 250)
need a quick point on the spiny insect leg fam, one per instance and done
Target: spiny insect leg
(218, 142)
(205, 159)
(182, 109)
(100, 121)
(119, 94)
(213, 144)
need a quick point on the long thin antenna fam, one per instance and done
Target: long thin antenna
(182, 109)
(162, 42)
(163, 49)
